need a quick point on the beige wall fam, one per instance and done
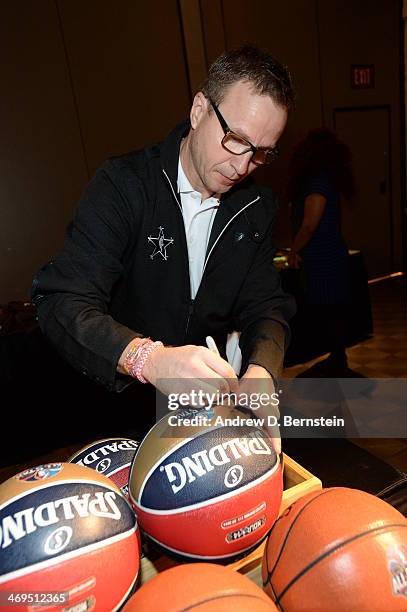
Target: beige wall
(82, 80)
(128, 72)
(351, 33)
(42, 168)
(319, 40)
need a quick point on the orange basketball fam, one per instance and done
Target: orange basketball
(201, 586)
(337, 549)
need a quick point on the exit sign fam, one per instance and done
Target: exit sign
(362, 76)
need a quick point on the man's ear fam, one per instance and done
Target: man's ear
(198, 109)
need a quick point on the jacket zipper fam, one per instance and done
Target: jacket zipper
(172, 189)
(223, 231)
(192, 302)
(190, 311)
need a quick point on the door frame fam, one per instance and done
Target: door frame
(386, 108)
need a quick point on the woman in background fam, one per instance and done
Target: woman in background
(320, 173)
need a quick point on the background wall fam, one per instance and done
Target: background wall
(83, 80)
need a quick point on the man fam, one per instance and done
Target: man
(174, 243)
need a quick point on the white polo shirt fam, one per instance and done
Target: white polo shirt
(198, 220)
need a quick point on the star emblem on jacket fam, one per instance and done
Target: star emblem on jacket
(161, 243)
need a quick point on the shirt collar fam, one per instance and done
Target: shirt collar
(183, 184)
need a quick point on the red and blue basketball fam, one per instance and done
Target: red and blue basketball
(206, 492)
(67, 529)
(111, 457)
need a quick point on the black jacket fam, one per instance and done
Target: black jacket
(115, 280)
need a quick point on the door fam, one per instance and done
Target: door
(367, 221)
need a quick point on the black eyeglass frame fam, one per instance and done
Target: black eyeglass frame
(270, 154)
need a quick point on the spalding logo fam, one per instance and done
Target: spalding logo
(103, 465)
(58, 540)
(29, 520)
(103, 451)
(204, 461)
(195, 472)
(233, 476)
(59, 519)
(41, 472)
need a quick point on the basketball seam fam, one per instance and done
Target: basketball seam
(270, 572)
(168, 453)
(67, 556)
(184, 554)
(72, 481)
(120, 468)
(97, 444)
(213, 500)
(223, 596)
(332, 550)
(273, 591)
(159, 462)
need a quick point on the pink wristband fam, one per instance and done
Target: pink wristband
(132, 354)
(140, 358)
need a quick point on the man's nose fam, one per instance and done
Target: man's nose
(241, 163)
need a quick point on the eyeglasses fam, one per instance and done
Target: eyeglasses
(239, 146)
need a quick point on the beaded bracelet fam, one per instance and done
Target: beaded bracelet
(137, 356)
(132, 354)
(142, 357)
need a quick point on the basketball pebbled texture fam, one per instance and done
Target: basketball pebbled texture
(66, 528)
(337, 549)
(212, 493)
(202, 587)
(111, 457)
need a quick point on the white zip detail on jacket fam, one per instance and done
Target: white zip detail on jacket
(172, 189)
(223, 230)
(228, 223)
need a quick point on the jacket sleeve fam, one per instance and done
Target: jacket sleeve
(263, 311)
(72, 291)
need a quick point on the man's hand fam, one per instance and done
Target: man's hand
(185, 368)
(257, 381)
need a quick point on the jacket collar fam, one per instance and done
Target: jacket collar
(170, 151)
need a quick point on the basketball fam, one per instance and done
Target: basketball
(68, 530)
(337, 549)
(208, 491)
(111, 457)
(202, 586)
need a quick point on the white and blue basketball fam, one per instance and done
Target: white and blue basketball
(112, 457)
(208, 492)
(67, 529)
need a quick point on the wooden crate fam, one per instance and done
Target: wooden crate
(297, 482)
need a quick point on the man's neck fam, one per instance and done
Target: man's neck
(190, 172)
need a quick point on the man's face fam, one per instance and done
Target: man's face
(210, 167)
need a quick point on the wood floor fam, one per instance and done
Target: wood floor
(382, 356)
